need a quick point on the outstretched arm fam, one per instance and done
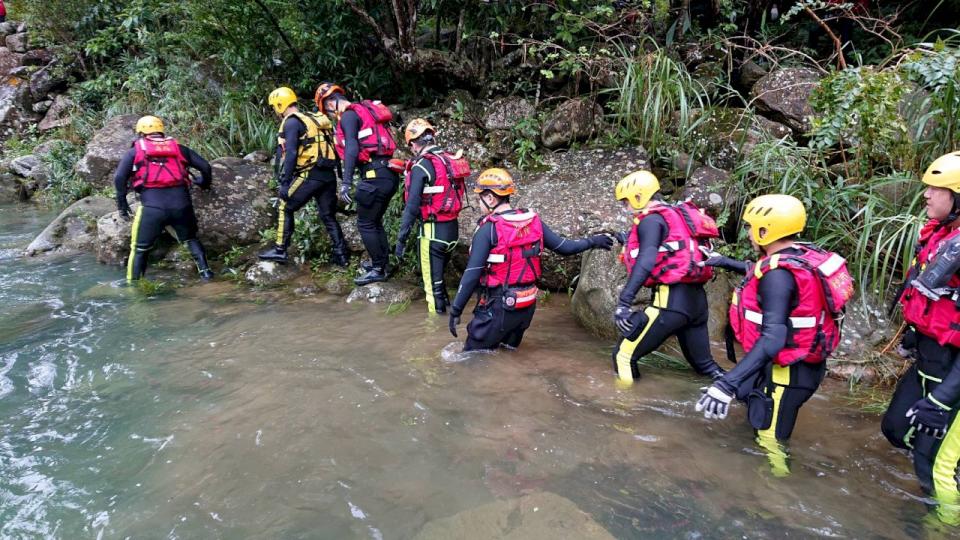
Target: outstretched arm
(483, 242)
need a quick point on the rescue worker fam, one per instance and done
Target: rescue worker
(661, 252)
(785, 314)
(504, 265)
(365, 144)
(156, 168)
(922, 414)
(433, 190)
(308, 168)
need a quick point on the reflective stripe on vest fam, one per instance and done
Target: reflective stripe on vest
(796, 322)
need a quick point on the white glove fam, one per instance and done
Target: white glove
(714, 403)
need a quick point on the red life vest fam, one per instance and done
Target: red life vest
(158, 163)
(374, 135)
(688, 228)
(938, 319)
(442, 197)
(515, 260)
(824, 286)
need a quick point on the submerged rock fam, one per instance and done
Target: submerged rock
(105, 150)
(113, 236)
(272, 274)
(387, 292)
(74, 228)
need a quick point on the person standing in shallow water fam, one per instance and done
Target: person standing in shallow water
(661, 251)
(504, 266)
(157, 165)
(922, 415)
(786, 315)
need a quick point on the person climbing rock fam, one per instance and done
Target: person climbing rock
(922, 415)
(785, 313)
(504, 265)
(661, 251)
(364, 143)
(157, 165)
(434, 191)
(308, 170)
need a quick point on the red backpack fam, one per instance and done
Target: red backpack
(158, 163)
(442, 199)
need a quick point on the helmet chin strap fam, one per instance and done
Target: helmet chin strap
(493, 208)
(954, 212)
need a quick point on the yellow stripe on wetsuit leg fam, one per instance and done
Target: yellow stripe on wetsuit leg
(134, 233)
(426, 236)
(944, 475)
(767, 438)
(283, 207)
(627, 347)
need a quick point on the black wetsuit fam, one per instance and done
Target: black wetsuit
(377, 185)
(437, 239)
(492, 325)
(295, 190)
(676, 310)
(159, 208)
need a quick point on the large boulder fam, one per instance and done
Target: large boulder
(7, 28)
(75, 228)
(37, 57)
(14, 101)
(21, 166)
(574, 196)
(105, 150)
(784, 96)
(236, 207)
(9, 60)
(726, 134)
(574, 120)
(271, 274)
(708, 188)
(593, 303)
(46, 79)
(13, 189)
(58, 115)
(17, 42)
(113, 237)
(506, 112)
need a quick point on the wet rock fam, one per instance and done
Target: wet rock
(13, 189)
(574, 120)
(39, 176)
(58, 115)
(257, 156)
(539, 515)
(37, 57)
(237, 206)
(337, 282)
(47, 79)
(113, 236)
(271, 274)
(9, 60)
(574, 196)
(719, 290)
(22, 165)
(784, 96)
(602, 275)
(105, 150)
(387, 292)
(708, 188)
(17, 42)
(506, 112)
(74, 228)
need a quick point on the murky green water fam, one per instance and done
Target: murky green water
(210, 413)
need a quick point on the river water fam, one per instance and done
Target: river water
(213, 412)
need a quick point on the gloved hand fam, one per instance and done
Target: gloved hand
(621, 237)
(601, 241)
(282, 191)
(907, 348)
(454, 322)
(715, 402)
(714, 258)
(344, 194)
(622, 319)
(124, 208)
(399, 249)
(929, 417)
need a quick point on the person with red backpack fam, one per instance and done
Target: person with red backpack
(158, 165)
(433, 189)
(661, 251)
(364, 143)
(786, 314)
(504, 266)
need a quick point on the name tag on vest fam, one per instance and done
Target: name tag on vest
(364, 133)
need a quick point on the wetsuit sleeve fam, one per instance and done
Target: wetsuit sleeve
(350, 124)
(733, 265)
(120, 178)
(777, 296)
(483, 242)
(419, 177)
(197, 162)
(292, 131)
(948, 392)
(650, 232)
(563, 246)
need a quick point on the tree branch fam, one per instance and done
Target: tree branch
(276, 25)
(826, 28)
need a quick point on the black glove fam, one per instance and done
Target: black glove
(715, 401)
(345, 193)
(601, 241)
(907, 348)
(282, 191)
(621, 237)
(622, 319)
(714, 258)
(398, 250)
(454, 321)
(929, 417)
(124, 209)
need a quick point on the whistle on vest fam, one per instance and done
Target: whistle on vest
(932, 281)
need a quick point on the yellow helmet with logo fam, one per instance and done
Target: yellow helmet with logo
(416, 128)
(772, 217)
(944, 172)
(281, 98)
(496, 180)
(148, 124)
(637, 188)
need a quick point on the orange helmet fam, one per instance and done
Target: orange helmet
(496, 180)
(416, 128)
(325, 90)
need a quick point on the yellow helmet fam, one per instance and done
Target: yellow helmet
(944, 172)
(777, 216)
(416, 128)
(496, 180)
(148, 124)
(281, 98)
(325, 90)
(637, 188)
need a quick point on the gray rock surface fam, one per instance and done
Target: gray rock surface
(271, 274)
(504, 113)
(237, 207)
(22, 165)
(574, 120)
(708, 188)
(58, 115)
(388, 292)
(9, 60)
(14, 101)
(46, 79)
(105, 150)
(75, 227)
(784, 96)
(17, 42)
